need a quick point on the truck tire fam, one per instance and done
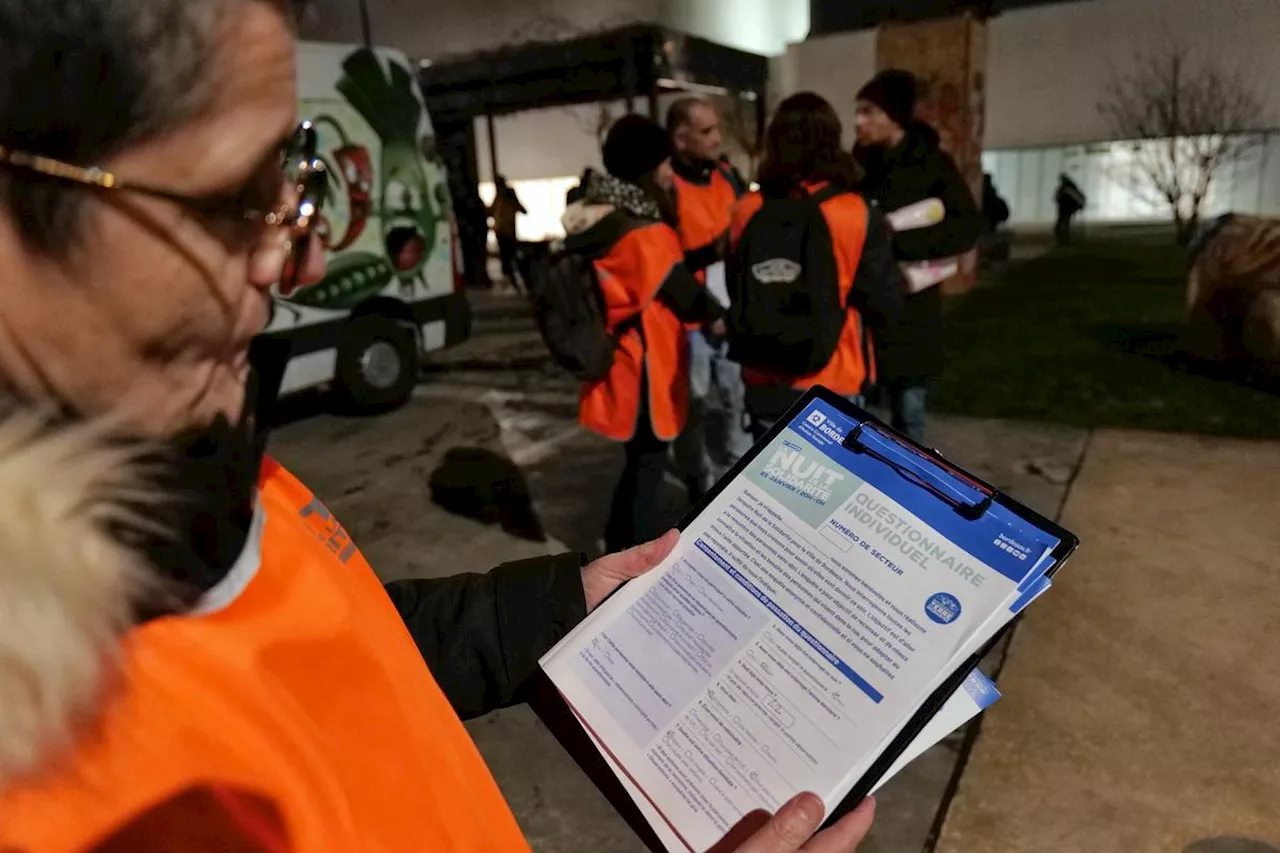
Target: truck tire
(377, 364)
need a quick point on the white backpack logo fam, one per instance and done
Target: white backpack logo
(777, 271)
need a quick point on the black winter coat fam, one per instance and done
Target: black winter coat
(482, 635)
(916, 169)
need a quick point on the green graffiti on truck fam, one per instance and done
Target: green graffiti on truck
(408, 211)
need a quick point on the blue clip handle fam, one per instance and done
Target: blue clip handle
(967, 499)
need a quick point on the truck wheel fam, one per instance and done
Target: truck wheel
(377, 364)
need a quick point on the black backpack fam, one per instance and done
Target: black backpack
(785, 313)
(568, 304)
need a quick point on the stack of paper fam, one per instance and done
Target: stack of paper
(806, 618)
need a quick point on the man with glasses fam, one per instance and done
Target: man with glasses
(194, 655)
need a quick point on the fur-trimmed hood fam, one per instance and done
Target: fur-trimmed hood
(99, 533)
(69, 588)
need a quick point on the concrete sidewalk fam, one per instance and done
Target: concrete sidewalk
(1141, 707)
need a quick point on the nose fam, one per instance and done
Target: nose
(268, 259)
(273, 260)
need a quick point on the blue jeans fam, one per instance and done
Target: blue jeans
(907, 401)
(766, 405)
(702, 454)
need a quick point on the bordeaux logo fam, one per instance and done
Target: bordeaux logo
(776, 271)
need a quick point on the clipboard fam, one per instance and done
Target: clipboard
(925, 469)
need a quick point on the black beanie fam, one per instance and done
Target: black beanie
(634, 147)
(895, 92)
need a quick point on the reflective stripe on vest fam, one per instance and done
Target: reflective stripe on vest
(305, 690)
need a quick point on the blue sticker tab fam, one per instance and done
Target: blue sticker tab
(1029, 594)
(981, 689)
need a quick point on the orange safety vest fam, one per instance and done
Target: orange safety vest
(305, 691)
(704, 211)
(630, 274)
(852, 365)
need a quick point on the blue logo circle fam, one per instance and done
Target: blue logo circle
(943, 608)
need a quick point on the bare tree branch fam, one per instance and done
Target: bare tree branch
(1189, 119)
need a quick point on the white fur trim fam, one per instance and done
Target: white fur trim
(67, 586)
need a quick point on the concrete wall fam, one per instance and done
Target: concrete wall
(1047, 67)
(833, 66)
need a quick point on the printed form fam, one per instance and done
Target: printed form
(803, 618)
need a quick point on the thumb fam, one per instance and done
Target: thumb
(789, 829)
(641, 558)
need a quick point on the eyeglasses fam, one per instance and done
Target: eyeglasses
(301, 170)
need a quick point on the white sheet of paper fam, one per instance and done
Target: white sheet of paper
(716, 283)
(974, 696)
(925, 274)
(921, 214)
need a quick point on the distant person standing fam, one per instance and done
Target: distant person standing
(994, 244)
(706, 188)
(994, 208)
(904, 165)
(504, 210)
(1070, 200)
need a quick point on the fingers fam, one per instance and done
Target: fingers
(847, 833)
(789, 828)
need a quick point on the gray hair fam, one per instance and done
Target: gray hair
(82, 80)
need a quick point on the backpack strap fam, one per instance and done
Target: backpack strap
(596, 242)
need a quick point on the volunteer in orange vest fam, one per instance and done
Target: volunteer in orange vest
(627, 216)
(804, 154)
(196, 656)
(706, 189)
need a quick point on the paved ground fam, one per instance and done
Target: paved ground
(495, 416)
(1140, 704)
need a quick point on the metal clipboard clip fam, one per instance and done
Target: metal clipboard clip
(930, 473)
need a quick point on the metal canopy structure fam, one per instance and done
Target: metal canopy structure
(638, 61)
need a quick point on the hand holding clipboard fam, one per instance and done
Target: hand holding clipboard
(818, 624)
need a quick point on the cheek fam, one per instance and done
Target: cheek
(168, 292)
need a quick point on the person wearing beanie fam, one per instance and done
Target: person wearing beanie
(904, 165)
(706, 190)
(625, 221)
